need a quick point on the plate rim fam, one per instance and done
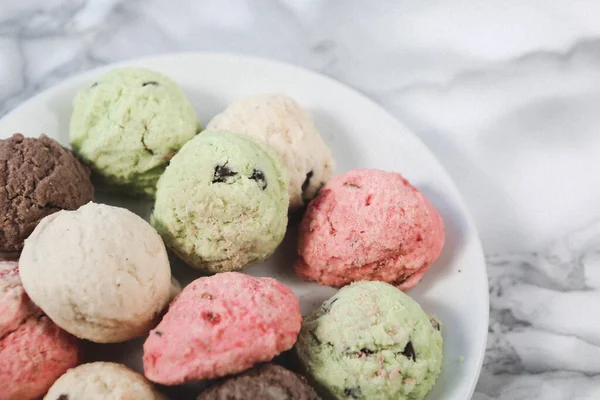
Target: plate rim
(246, 58)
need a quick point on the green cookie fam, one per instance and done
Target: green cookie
(128, 125)
(222, 202)
(371, 341)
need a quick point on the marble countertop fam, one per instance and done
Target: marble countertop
(506, 94)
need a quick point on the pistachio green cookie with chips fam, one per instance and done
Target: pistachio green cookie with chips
(128, 124)
(371, 341)
(222, 203)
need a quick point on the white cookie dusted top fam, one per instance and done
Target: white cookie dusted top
(102, 381)
(101, 272)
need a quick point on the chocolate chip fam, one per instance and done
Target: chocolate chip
(154, 83)
(63, 397)
(94, 85)
(307, 181)
(207, 296)
(409, 351)
(355, 393)
(366, 351)
(222, 172)
(400, 280)
(327, 307)
(211, 317)
(158, 333)
(435, 324)
(260, 178)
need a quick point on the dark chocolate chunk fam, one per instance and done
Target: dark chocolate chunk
(222, 172)
(307, 181)
(260, 178)
(327, 307)
(355, 393)
(94, 85)
(366, 351)
(409, 351)
(63, 397)
(400, 280)
(154, 83)
(158, 333)
(211, 317)
(435, 324)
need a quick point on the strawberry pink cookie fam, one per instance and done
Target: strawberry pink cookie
(221, 325)
(369, 224)
(34, 352)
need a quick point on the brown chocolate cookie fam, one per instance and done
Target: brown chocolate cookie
(38, 177)
(267, 382)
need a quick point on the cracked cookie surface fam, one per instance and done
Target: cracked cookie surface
(128, 125)
(38, 177)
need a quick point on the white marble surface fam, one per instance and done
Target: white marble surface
(506, 93)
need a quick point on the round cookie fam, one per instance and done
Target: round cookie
(34, 352)
(267, 382)
(222, 203)
(221, 325)
(371, 341)
(105, 279)
(128, 124)
(369, 224)
(102, 381)
(282, 124)
(38, 177)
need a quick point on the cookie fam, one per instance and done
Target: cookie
(369, 224)
(371, 341)
(222, 203)
(101, 272)
(281, 123)
(102, 381)
(128, 124)
(34, 352)
(221, 325)
(267, 382)
(38, 177)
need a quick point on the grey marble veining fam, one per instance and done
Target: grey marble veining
(506, 94)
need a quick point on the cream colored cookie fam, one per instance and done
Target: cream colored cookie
(100, 273)
(102, 381)
(279, 122)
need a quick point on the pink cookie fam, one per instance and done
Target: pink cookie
(369, 225)
(221, 325)
(34, 352)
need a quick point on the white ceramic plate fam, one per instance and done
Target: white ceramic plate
(361, 135)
